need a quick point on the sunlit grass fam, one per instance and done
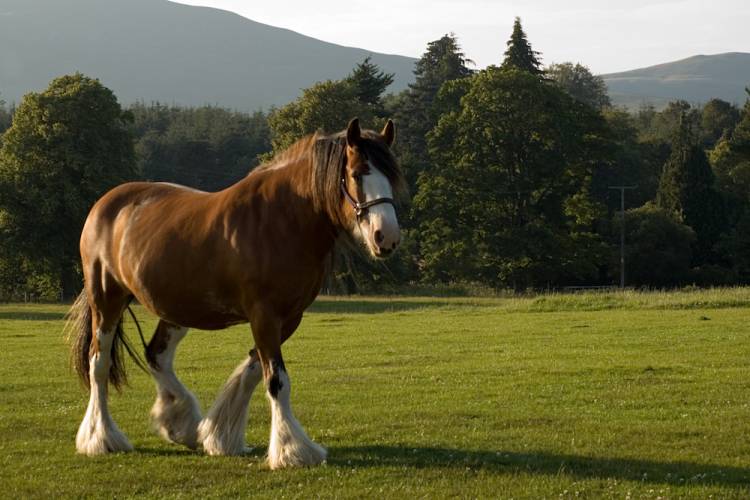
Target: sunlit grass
(588, 394)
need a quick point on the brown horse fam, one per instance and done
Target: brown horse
(255, 252)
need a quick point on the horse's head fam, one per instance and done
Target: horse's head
(368, 183)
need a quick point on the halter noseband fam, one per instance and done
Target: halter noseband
(361, 208)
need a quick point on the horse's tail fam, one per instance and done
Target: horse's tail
(79, 334)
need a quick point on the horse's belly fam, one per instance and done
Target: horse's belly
(192, 302)
(191, 312)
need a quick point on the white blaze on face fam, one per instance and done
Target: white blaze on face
(380, 225)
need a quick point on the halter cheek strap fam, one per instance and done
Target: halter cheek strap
(361, 208)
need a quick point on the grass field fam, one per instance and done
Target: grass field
(639, 395)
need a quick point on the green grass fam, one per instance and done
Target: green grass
(594, 394)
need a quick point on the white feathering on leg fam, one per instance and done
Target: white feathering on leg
(222, 430)
(289, 445)
(176, 413)
(176, 418)
(98, 434)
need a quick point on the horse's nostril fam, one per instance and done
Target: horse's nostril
(393, 246)
(379, 236)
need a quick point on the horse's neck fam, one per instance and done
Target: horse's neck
(285, 185)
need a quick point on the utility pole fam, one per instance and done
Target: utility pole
(622, 230)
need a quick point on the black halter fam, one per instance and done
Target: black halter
(361, 208)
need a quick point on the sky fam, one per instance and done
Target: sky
(605, 36)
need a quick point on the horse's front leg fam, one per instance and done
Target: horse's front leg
(289, 445)
(222, 430)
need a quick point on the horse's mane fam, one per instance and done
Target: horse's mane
(328, 159)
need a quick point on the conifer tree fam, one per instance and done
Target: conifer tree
(442, 62)
(370, 83)
(519, 53)
(686, 189)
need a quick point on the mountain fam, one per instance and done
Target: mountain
(155, 50)
(695, 79)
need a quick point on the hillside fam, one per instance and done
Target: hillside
(157, 50)
(695, 79)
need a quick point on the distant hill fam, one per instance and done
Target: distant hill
(695, 79)
(155, 50)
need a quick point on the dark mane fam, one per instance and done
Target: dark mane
(329, 159)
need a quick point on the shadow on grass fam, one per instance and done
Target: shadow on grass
(167, 452)
(258, 452)
(673, 473)
(32, 315)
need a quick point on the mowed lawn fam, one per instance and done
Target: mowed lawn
(640, 395)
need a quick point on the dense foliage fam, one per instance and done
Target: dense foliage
(207, 148)
(67, 146)
(510, 170)
(507, 201)
(580, 83)
(415, 110)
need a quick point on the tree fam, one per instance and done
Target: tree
(656, 127)
(718, 119)
(370, 83)
(731, 157)
(658, 252)
(67, 146)
(519, 53)
(208, 148)
(686, 190)
(414, 110)
(6, 117)
(735, 247)
(731, 163)
(580, 83)
(627, 162)
(507, 202)
(326, 106)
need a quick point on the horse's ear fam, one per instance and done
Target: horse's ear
(353, 133)
(388, 132)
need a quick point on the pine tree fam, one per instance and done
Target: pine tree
(686, 189)
(370, 83)
(442, 62)
(519, 54)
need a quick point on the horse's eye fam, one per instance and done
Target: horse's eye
(357, 178)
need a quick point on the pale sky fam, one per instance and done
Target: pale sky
(605, 36)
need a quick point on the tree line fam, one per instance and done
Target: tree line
(510, 171)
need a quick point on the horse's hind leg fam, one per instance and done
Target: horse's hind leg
(98, 433)
(176, 413)
(222, 431)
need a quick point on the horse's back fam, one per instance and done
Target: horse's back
(115, 212)
(198, 259)
(136, 234)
